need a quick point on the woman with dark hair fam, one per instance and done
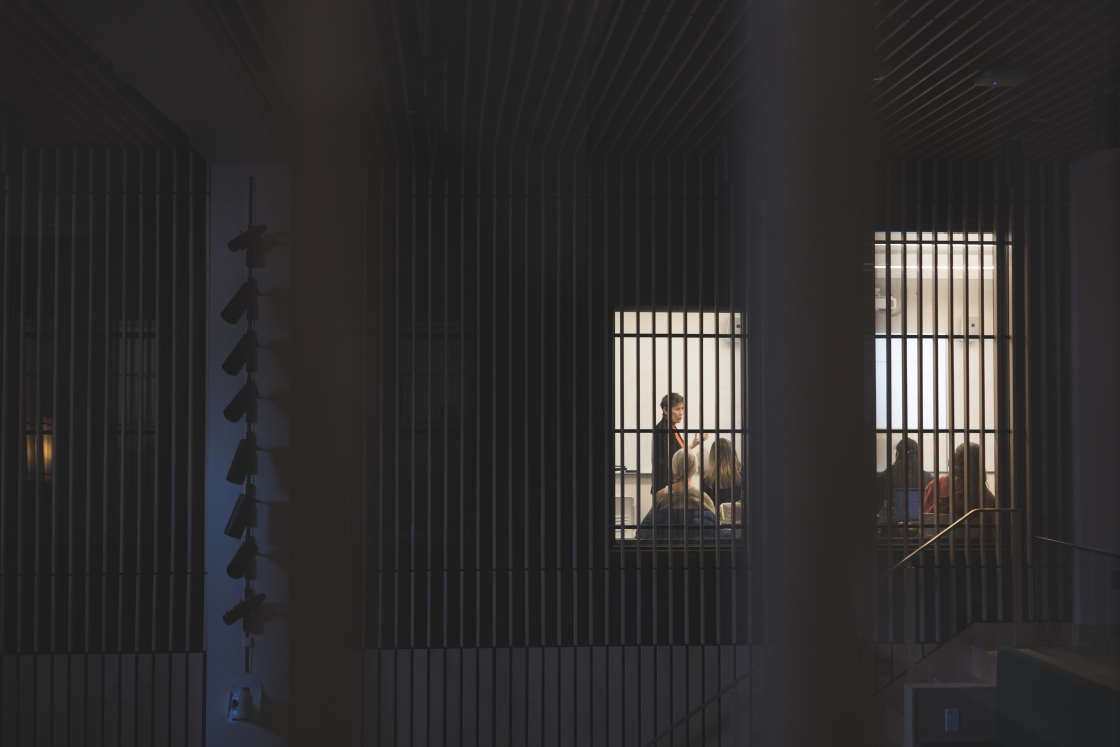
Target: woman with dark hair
(904, 474)
(723, 473)
(667, 440)
(968, 486)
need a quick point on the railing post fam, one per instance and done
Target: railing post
(1017, 576)
(910, 621)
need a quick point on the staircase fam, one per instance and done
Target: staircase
(1054, 692)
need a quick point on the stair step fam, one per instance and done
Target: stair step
(1078, 664)
(984, 663)
(957, 678)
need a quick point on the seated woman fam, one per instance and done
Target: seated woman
(723, 473)
(681, 511)
(937, 492)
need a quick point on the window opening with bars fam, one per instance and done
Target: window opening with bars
(936, 389)
(699, 356)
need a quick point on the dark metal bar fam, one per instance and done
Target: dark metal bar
(526, 378)
(120, 380)
(983, 385)
(55, 518)
(968, 489)
(1021, 246)
(1058, 388)
(5, 449)
(71, 364)
(951, 396)
(888, 334)
(137, 372)
(35, 454)
(381, 420)
(363, 603)
(193, 635)
(430, 370)
(1078, 547)
(90, 314)
(412, 395)
(740, 424)
(173, 496)
(157, 252)
(634, 202)
(921, 577)
(573, 207)
(937, 403)
(698, 594)
(22, 332)
(105, 632)
(1035, 204)
(589, 218)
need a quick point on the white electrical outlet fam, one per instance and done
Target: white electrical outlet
(952, 719)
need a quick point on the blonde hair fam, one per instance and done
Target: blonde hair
(684, 465)
(727, 471)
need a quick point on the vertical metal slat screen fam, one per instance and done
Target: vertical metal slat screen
(971, 346)
(101, 506)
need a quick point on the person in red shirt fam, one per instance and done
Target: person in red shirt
(966, 460)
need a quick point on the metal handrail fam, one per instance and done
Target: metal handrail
(938, 536)
(1079, 547)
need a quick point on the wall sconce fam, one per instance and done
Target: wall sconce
(243, 355)
(244, 460)
(243, 301)
(242, 559)
(241, 403)
(244, 607)
(247, 239)
(242, 515)
(40, 450)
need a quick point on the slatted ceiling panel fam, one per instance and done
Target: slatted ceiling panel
(506, 80)
(928, 105)
(61, 92)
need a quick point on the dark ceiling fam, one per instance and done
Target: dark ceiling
(59, 92)
(630, 78)
(928, 105)
(655, 78)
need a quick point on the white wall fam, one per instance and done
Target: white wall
(947, 281)
(707, 371)
(229, 203)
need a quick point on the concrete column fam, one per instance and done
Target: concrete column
(810, 311)
(1095, 322)
(329, 135)
(328, 401)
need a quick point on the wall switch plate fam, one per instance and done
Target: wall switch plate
(952, 719)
